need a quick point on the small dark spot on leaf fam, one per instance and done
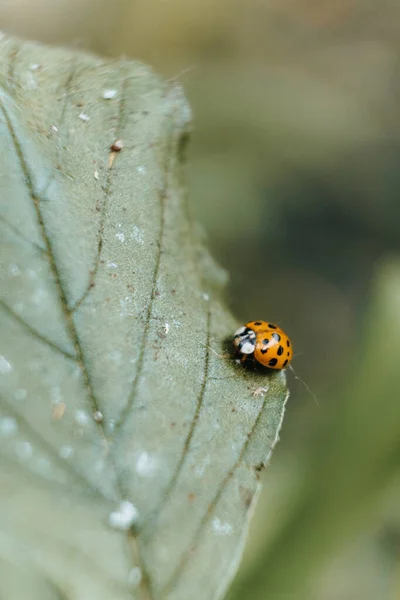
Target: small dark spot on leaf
(117, 146)
(246, 495)
(191, 497)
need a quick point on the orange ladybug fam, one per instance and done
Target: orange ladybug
(266, 342)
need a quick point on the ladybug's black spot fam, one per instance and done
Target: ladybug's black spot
(285, 363)
(288, 354)
(271, 326)
(265, 341)
(258, 323)
(276, 336)
(264, 350)
(272, 362)
(280, 351)
(288, 343)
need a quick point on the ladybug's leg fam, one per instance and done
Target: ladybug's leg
(243, 358)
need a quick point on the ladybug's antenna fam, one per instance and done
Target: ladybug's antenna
(304, 384)
(181, 73)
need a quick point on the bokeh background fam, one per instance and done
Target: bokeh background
(293, 171)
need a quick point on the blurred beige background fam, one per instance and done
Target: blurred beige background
(294, 173)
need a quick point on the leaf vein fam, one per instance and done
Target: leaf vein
(17, 232)
(206, 517)
(163, 194)
(107, 193)
(191, 431)
(66, 93)
(53, 265)
(35, 333)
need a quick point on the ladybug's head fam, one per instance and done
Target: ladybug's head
(244, 340)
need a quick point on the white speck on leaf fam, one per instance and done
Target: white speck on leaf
(141, 170)
(14, 270)
(55, 395)
(34, 67)
(66, 452)
(112, 265)
(54, 128)
(115, 356)
(30, 81)
(98, 466)
(201, 467)
(84, 117)
(20, 394)
(18, 307)
(39, 296)
(260, 391)
(43, 465)
(166, 328)
(24, 450)
(137, 235)
(221, 528)
(8, 426)
(124, 517)
(98, 416)
(111, 425)
(126, 309)
(96, 175)
(146, 465)
(5, 365)
(32, 274)
(120, 236)
(206, 297)
(81, 417)
(135, 577)
(109, 94)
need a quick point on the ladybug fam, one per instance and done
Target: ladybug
(266, 342)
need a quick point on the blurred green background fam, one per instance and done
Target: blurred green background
(293, 171)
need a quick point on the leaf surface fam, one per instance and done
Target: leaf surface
(130, 443)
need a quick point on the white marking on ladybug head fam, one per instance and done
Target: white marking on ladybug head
(240, 331)
(247, 347)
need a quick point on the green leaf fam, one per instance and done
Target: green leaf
(130, 443)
